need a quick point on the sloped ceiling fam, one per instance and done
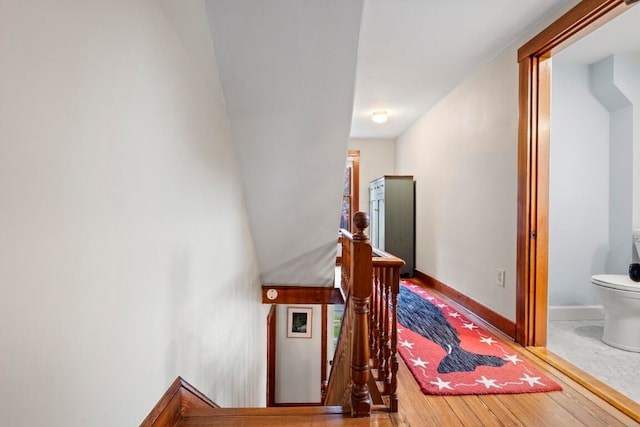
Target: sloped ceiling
(287, 69)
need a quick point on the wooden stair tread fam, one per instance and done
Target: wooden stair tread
(278, 416)
(270, 411)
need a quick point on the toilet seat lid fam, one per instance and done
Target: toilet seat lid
(616, 281)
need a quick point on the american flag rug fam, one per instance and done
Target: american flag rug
(448, 354)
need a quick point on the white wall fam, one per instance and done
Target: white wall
(620, 190)
(125, 252)
(604, 84)
(377, 158)
(592, 185)
(298, 360)
(463, 154)
(578, 187)
(627, 79)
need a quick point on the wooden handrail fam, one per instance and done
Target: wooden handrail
(360, 296)
(169, 409)
(383, 321)
(368, 336)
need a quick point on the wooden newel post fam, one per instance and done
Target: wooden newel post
(362, 275)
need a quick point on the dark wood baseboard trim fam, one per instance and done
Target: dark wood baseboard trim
(179, 397)
(491, 317)
(302, 295)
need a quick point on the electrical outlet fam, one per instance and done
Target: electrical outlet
(501, 275)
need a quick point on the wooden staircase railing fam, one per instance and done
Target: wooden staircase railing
(368, 342)
(180, 397)
(182, 405)
(348, 384)
(383, 334)
(368, 337)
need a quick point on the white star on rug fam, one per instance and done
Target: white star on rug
(442, 305)
(430, 298)
(419, 362)
(454, 315)
(470, 326)
(531, 380)
(407, 344)
(421, 291)
(513, 358)
(488, 383)
(400, 330)
(442, 384)
(488, 340)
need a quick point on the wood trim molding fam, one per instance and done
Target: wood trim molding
(180, 396)
(323, 345)
(354, 156)
(302, 295)
(272, 333)
(533, 159)
(491, 317)
(524, 235)
(583, 18)
(533, 200)
(356, 181)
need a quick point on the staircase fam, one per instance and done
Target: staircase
(182, 405)
(367, 345)
(280, 416)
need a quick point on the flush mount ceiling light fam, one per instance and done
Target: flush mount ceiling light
(379, 116)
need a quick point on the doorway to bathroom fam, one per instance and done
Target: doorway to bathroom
(595, 90)
(543, 264)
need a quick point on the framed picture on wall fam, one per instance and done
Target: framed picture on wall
(299, 322)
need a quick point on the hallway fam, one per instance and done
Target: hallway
(575, 405)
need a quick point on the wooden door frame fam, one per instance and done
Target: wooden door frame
(533, 158)
(272, 335)
(353, 156)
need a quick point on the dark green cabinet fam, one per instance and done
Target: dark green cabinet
(392, 218)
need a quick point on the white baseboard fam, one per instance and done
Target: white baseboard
(575, 312)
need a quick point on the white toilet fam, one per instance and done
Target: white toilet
(620, 297)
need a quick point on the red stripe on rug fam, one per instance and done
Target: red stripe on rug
(423, 356)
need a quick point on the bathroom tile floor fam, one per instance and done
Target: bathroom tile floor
(578, 341)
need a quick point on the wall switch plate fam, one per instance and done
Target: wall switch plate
(501, 276)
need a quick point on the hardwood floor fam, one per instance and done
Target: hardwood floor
(581, 403)
(574, 406)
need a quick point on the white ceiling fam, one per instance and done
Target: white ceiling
(413, 52)
(294, 71)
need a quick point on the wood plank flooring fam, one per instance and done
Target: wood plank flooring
(579, 404)
(574, 406)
